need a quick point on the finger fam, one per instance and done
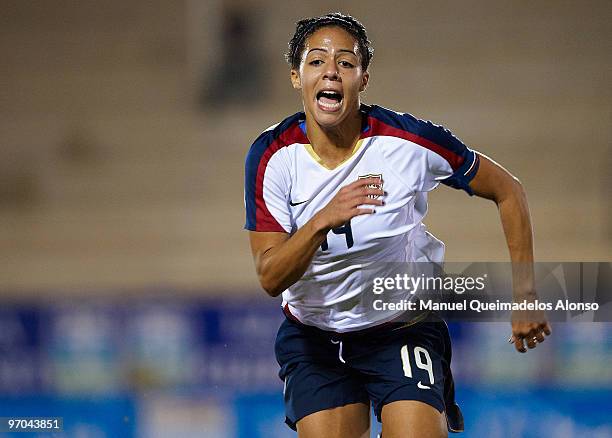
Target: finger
(531, 342)
(365, 200)
(355, 193)
(519, 345)
(547, 329)
(534, 336)
(362, 211)
(365, 181)
(368, 191)
(374, 191)
(373, 180)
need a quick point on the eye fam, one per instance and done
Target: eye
(346, 64)
(316, 62)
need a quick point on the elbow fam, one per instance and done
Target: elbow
(518, 185)
(270, 286)
(518, 190)
(268, 277)
(511, 189)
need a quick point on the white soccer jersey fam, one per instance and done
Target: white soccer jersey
(286, 184)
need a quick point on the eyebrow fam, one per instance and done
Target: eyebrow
(325, 50)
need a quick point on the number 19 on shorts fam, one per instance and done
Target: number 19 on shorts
(422, 360)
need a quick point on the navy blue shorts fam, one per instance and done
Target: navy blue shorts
(383, 364)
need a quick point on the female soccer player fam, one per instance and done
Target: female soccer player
(342, 186)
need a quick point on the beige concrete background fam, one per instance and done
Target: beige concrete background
(112, 178)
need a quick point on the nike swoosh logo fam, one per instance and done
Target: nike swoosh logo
(293, 204)
(421, 386)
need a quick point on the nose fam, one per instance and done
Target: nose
(331, 71)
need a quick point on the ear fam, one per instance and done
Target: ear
(364, 81)
(295, 79)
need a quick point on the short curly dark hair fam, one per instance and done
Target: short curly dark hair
(306, 27)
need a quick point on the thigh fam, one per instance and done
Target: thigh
(350, 421)
(406, 365)
(316, 381)
(412, 419)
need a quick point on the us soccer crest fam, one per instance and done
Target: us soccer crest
(373, 186)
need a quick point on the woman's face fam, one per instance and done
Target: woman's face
(330, 76)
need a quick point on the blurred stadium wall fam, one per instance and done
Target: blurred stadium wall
(113, 173)
(128, 299)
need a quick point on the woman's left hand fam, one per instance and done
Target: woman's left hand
(528, 327)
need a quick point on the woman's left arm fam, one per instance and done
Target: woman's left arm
(495, 183)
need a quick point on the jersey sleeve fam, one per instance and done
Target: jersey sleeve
(432, 156)
(450, 162)
(267, 187)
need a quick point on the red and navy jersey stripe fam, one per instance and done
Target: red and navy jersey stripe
(462, 159)
(378, 121)
(258, 217)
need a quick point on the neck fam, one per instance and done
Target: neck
(334, 145)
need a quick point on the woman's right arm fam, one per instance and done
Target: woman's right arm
(281, 259)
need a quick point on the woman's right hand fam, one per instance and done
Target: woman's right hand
(281, 259)
(345, 205)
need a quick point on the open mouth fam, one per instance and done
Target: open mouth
(329, 100)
